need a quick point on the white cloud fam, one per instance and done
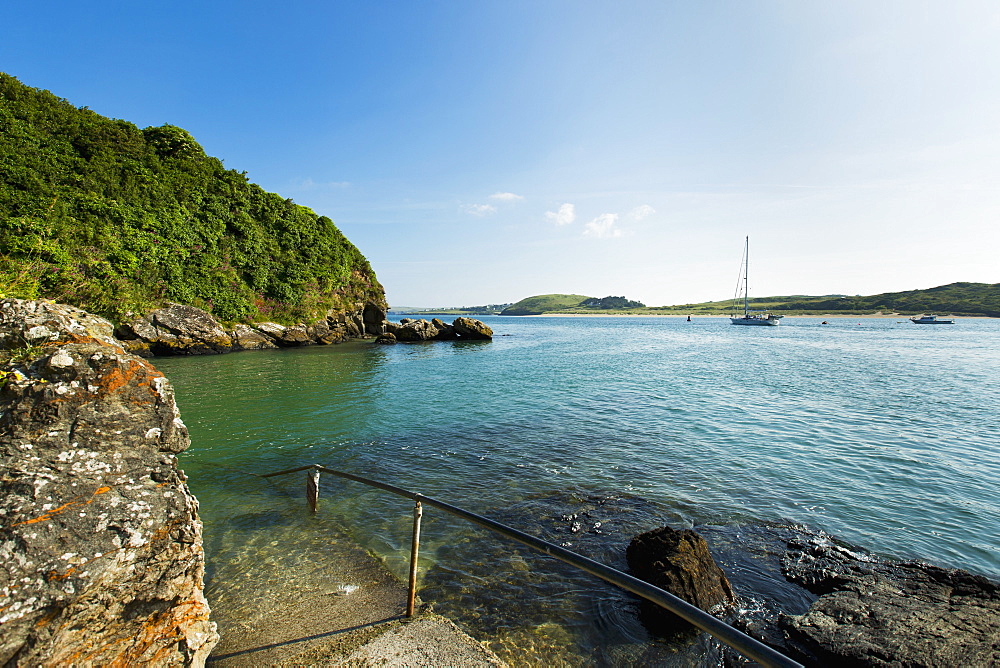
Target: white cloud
(480, 209)
(309, 184)
(603, 227)
(640, 212)
(506, 197)
(565, 215)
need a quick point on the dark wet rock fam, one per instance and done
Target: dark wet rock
(469, 328)
(175, 329)
(679, 562)
(101, 541)
(875, 613)
(386, 339)
(445, 332)
(373, 318)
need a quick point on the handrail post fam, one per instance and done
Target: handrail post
(414, 552)
(312, 489)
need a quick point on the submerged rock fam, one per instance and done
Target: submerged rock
(873, 613)
(101, 541)
(679, 562)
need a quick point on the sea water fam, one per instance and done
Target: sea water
(586, 431)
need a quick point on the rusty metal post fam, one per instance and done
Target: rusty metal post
(312, 489)
(414, 551)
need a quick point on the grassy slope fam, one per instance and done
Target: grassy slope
(544, 304)
(101, 214)
(982, 299)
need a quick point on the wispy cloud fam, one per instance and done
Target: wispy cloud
(480, 209)
(640, 212)
(309, 184)
(603, 227)
(564, 216)
(506, 197)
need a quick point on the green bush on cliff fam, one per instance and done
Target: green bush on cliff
(115, 219)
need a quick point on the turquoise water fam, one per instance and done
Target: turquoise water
(880, 432)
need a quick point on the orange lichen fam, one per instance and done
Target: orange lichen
(55, 511)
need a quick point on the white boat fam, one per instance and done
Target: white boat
(930, 320)
(749, 317)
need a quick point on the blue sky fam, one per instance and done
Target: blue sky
(481, 152)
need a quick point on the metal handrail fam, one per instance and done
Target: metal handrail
(746, 645)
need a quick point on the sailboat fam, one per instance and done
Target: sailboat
(748, 317)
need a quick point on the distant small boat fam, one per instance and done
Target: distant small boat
(749, 318)
(930, 320)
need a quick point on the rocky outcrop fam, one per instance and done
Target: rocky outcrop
(873, 613)
(410, 330)
(100, 541)
(177, 329)
(469, 328)
(679, 562)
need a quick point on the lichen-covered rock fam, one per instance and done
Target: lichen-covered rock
(246, 337)
(100, 545)
(24, 324)
(470, 328)
(876, 613)
(415, 330)
(175, 329)
(677, 561)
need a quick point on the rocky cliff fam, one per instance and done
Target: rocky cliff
(100, 541)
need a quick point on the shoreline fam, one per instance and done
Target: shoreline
(850, 316)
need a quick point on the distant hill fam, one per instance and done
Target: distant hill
(969, 299)
(569, 304)
(951, 299)
(101, 214)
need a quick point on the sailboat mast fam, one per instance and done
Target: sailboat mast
(746, 278)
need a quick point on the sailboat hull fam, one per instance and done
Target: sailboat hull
(750, 320)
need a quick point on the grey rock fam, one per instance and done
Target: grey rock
(175, 329)
(246, 337)
(415, 330)
(875, 613)
(101, 542)
(24, 324)
(386, 339)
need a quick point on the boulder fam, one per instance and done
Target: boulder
(679, 562)
(415, 330)
(175, 329)
(101, 541)
(285, 337)
(469, 328)
(446, 332)
(875, 613)
(26, 324)
(246, 337)
(386, 339)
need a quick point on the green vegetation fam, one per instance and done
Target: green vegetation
(103, 215)
(544, 304)
(969, 299)
(488, 309)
